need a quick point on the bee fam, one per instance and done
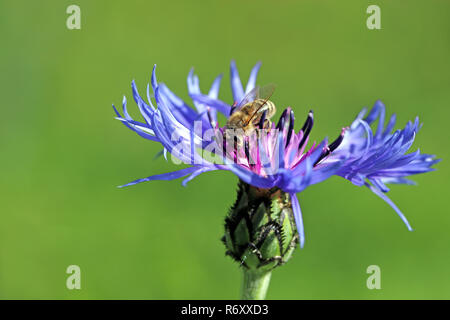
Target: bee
(252, 113)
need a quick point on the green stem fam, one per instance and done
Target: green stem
(255, 284)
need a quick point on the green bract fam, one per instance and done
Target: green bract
(260, 230)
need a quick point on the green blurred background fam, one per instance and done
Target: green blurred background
(63, 153)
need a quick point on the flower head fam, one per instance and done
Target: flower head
(274, 155)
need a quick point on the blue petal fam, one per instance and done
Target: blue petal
(298, 218)
(236, 85)
(149, 98)
(325, 171)
(214, 91)
(398, 181)
(381, 116)
(390, 125)
(369, 139)
(181, 110)
(194, 88)
(221, 106)
(379, 184)
(153, 79)
(143, 134)
(373, 113)
(251, 177)
(389, 202)
(252, 79)
(195, 174)
(145, 110)
(165, 176)
(305, 182)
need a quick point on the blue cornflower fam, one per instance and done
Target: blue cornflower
(278, 157)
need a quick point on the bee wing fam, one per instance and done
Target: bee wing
(266, 91)
(258, 92)
(249, 97)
